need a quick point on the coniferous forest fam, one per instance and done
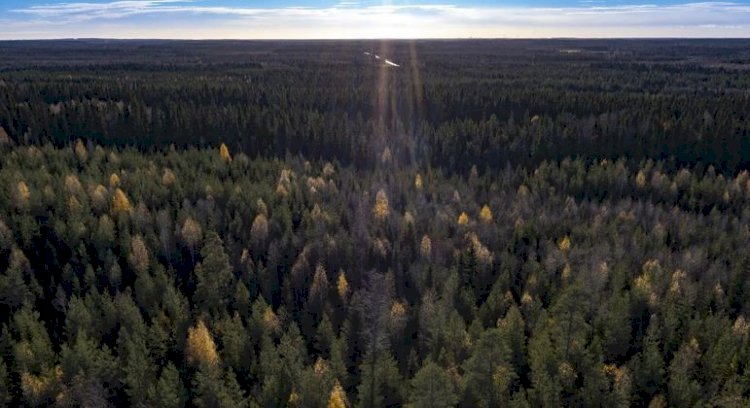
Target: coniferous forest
(480, 223)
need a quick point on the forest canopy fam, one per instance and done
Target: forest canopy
(268, 224)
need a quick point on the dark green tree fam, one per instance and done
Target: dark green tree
(214, 276)
(489, 375)
(432, 387)
(168, 391)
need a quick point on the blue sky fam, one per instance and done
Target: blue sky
(196, 19)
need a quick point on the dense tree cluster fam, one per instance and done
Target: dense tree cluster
(261, 283)
(518, 224)
(458, 103)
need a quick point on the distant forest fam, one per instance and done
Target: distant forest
(459, 103)
(490, 223)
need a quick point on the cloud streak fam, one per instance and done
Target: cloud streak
(199, 19)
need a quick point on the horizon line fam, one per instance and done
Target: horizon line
(362, 38)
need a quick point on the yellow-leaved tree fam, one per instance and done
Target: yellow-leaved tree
(294, 400)
(120, 202)
(4, 138)
(320, 367)
(564, 244)
(485, 215)
(192, 234)
(640, 179)
(259, 229)
(74, 206)
(386, 156)
(381, 210)
(22, 194)
(99, 197)
(200, 348)
(72, 184)
(425, 247)
(168, 178)
(319, 287)
(114, 180)
(38, 389)
(328, 169)
(138, 257)
(80, 150)
(342, 285)
(224, 153)
(271, 320)
(463, 219)
(338, 397)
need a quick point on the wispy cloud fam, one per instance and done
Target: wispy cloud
(88, 11)
(347, 19)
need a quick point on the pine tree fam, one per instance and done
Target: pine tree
(281, 367)
(272, 390)
(684, 388)
(381, 384)
(235, 341)
(216, 389)
(32, 351)
(88, 371)
(104, 236)
(621, 385)
(169, 391)
(214, 275)
(489, 375)
(14, 292)
(544, 362)
(616, 327)
(512, 327)
(6, 237)
(292, 353)
(432, 387)
(79, 319)
(5, 388)
(138, 370)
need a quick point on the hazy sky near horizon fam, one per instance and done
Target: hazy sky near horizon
(300, 19)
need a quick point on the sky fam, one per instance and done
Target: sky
(316, 19)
